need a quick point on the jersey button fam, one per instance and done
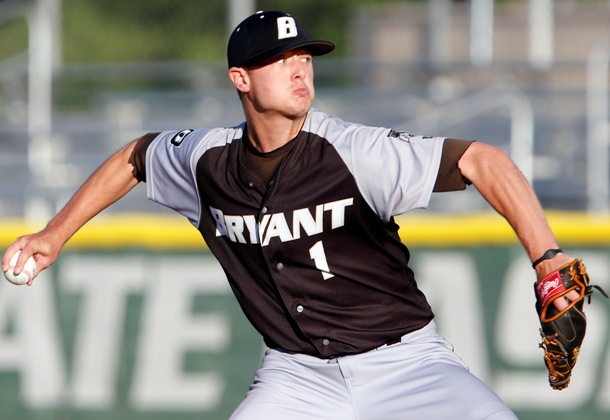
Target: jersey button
(280, 266)
(326, 341)
(300, 308)
(251, 184)
(264, 210)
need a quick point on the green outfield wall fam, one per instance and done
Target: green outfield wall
(136, 320)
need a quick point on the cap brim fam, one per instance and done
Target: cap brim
(316, 48)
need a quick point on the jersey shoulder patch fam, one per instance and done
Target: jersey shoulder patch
(179, 137)
(404, 136)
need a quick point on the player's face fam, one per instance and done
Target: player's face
(284, 84)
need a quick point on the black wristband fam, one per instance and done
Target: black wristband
(548, 254)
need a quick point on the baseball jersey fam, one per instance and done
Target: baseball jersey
(313, 256)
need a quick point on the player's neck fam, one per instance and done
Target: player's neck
(269, 133)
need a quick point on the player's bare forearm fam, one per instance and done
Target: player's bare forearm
(106, 185)
(503, 185)
(111, 181)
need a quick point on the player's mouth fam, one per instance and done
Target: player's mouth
(301, 91)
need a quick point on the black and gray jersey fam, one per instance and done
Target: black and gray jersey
(313, 257)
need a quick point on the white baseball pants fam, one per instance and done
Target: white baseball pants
(419, 378)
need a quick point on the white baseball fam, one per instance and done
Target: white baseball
(28, 272)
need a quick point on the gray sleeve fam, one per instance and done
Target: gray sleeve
(170, 170)
(395, 171)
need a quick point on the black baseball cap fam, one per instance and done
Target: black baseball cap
(265, 35)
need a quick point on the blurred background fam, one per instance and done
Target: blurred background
(80, 78)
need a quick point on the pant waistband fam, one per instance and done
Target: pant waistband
(426, 331)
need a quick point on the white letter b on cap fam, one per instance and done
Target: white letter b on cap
(286, 28)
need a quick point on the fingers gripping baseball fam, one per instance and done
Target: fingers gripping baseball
(27, 257)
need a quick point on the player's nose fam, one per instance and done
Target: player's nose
(297, 67)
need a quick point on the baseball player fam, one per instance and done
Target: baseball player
(298, 206)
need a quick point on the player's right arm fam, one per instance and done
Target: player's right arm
(111, 181)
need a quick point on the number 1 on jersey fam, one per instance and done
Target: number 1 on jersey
(318, 256)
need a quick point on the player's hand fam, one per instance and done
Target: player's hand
(42, 245)
(548, 266)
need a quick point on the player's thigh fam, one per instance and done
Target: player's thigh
(295, 387)
(423, 379)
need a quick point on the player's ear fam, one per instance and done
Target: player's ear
(239, 77)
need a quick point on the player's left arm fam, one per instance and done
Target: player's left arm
(503, 185)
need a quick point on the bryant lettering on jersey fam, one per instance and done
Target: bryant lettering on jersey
(245, 229)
